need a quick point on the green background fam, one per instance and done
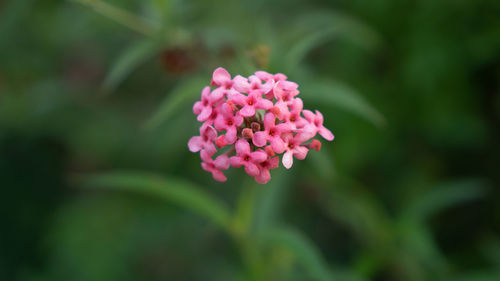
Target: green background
(97, 182)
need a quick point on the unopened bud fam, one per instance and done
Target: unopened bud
(315, 144)
(269, 151)
(220, 141)
(247, 133)
(276, 111)
(255, 126)
(231, 103)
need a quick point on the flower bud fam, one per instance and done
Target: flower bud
(255, 126)
(315, 144)
(247, 133)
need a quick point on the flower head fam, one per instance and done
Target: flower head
(254, 120)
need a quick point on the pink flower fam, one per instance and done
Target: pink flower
(204, 141)
(262, 75)
(294, 148)
(253, 83)
(316, 124)
(264, 175)
(204, 107)
(215, 166)
(263, 108)
(222, 78)
(228, 122)
(251, 103)
(272, 133)
(244, 156)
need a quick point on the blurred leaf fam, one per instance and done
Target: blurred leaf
(131, 58)
(444, 196)
(11, 13)
(179, 191)
(269, 200)
(304, 251)
(339, 95)
(322, 164)
(320, 27)
(120, 16)
(181, 97)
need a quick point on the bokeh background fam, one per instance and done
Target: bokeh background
(97, 182)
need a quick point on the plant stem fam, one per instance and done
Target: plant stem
(120, 16)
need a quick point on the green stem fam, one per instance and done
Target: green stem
(241, 232)
(120, 16)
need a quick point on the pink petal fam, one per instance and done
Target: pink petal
(206, 156)
(238, 120)
(267, 87)
(300, 152)
(262, 75)
(197, 107)
(247, 111)
(205, 113)
(260, 138)
(195, 144)
(241, 84)
(236, 161)
(210, 133)
(302, 137)
(239, 99)
(221, 76)
(226, 110)
(242, 147)
(319, 116)
(230, 135)
(309, 115)
(216, 95)
(298, 105)
(284, 127)
(264, 104)
(278, 145)
(222, 162)
(327, 134)
(218, 176)
(274, 163)
(207, 167)
(251, 169)
(288, 159)
(269, 120)
(280, 76)
(220, 123)
(258, 156)
(263, 177)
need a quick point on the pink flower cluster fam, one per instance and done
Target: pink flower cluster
(253, 119)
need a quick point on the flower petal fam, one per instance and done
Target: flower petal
(309, 115)
(278, 145)
(263, 177)
(264, 104)
(242, 147)
(259, 138)
(220, 76)
(195, 144)
(230, 135)
(236, 161)
(251, 169)
(288, 159)
(241, 84)
(325, 133)
(269, 120)
(218, 176)
(222, 162)
(300, 152)
(239, 99)
(205, 113)
(258, 156)
(247, 111)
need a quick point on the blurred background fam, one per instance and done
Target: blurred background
(97, 182)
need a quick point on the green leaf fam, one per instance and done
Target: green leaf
(337, 94)
(178, 191)
(322, 164)
(130, 59)
(320, 27)
(444, 196)
(181, 97)
(303, 250)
